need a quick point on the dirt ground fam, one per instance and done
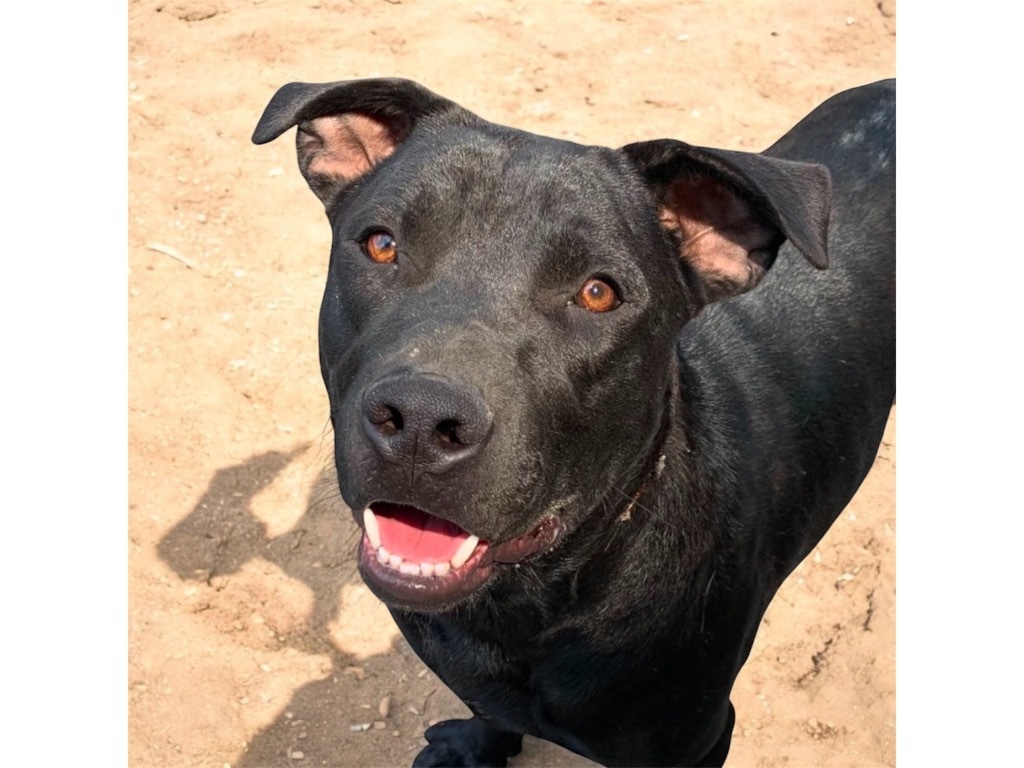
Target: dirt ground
(251, 639)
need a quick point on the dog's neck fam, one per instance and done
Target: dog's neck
(654, 464)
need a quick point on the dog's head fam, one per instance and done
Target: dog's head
(498, 328)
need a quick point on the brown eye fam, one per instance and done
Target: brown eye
(597, 296)
(381, 248)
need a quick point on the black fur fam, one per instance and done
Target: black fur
(692, 453)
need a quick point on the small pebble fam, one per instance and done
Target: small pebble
(265, 667)
(385, 707)
(296, 755)
(379, 725)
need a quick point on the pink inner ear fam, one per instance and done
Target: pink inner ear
(719, 230)
(343, 147)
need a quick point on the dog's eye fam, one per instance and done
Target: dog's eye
(380, 247)
(597, 295)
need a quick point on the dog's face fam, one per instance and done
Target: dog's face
(497, 330)
(485, 326)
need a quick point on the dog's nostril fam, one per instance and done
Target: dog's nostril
(387, 419)
(448, 432)
(392, 426)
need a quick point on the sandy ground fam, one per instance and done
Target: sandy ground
(251, 639)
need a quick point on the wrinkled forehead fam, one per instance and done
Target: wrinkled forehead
(499, 177)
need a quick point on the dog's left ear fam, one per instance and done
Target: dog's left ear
(732, 210)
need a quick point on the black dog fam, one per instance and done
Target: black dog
(581, 482)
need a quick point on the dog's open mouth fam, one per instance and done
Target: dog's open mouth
(411, 558)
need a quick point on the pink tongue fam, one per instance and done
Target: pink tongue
(416, 536)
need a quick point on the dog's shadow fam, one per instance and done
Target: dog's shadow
(221, 534)
(335, 720)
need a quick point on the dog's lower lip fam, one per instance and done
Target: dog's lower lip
(520, 548)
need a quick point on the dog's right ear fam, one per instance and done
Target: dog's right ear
(347, 128)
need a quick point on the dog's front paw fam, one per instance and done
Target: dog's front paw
(458, 743)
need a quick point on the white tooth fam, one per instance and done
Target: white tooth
(462, 553)
(395, 561)
(382, 555)
(440, 569)
(410, 569)
(427, 569)
(371, 528)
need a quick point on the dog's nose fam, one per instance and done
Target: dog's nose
(429, 420)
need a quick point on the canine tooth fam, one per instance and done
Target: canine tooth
(371, 527)
(383, 555)
(395, 561)
(462, 554)
(410, 569)
(427, 569)
(440, 569)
